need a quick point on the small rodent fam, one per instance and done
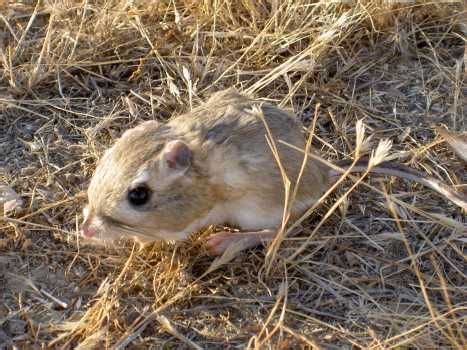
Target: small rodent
(212, 166)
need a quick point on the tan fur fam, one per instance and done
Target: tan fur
(234, 177)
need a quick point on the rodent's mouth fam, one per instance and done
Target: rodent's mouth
(104, 228)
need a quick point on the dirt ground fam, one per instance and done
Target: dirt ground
(382, 271)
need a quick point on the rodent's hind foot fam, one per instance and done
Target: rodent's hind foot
(218, 243)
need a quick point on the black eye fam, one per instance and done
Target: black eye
(139, 195)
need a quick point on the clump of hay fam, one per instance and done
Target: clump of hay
(385, 269)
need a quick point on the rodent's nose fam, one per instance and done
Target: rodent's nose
(87, 230)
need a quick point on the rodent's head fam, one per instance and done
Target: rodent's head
(146, 186)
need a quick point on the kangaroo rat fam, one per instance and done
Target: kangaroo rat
(211, 166)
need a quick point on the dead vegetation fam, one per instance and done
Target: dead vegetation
(384, 270)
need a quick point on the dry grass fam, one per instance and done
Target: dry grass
(385, 269)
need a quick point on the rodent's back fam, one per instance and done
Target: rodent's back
(230, 135)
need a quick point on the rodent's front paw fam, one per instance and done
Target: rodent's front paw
(218, 243)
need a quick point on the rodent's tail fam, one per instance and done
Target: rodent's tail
(405, 172)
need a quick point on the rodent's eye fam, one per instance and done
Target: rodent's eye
(139, 195)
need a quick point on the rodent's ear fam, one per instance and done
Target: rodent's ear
(176, 155)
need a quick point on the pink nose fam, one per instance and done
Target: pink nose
(87, 231)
